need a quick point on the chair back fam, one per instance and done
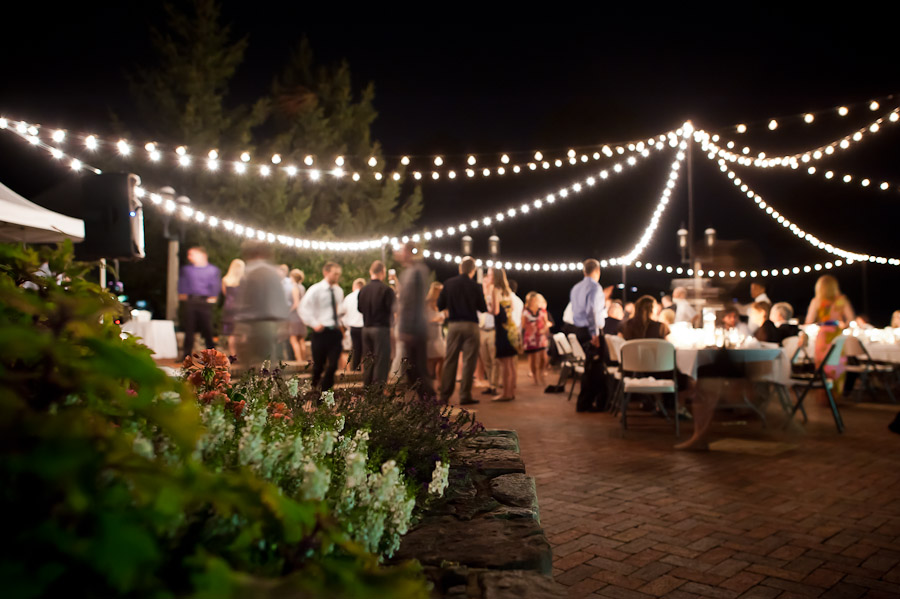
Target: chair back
(791, 347)
(577, 350)
(614, 344)
(834, 352)
(562, 344)
(853, 347)
(647, 355)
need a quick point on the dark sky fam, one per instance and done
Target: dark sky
(454, 88)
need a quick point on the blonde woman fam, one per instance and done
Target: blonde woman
(230, 283)
(831, 310)
(535, 332)
(437, 345)
(296, 327)
(507, 339)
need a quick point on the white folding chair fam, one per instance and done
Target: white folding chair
(570, 366)
(642, 356)
(863, 366)
(578, 359)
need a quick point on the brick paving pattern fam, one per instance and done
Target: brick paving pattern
(629, 517)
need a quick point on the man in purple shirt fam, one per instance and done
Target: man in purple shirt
(199, 285)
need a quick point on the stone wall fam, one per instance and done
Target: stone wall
(485, 540)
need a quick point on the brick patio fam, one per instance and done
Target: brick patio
(629, 517)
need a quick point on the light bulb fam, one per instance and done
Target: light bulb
(339, 161)
(809, 118)
(438, 161)
(471, 160)
(773, 124)
(245, 157)
(59, 135)
(741, 128)
(372, 161)
(843, 111)
(308, 161)
(873, 105)
(276, 158)
(504, 159)
(123, 147)
(213, 154)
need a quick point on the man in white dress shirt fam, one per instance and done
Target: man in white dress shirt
(352, 318)
(319, 309)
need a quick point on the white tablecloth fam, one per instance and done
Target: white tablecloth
(762, 364)
(887, 352)
(158, 335)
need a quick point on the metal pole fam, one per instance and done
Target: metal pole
(690, 182)
(172, 281)
(865, 288)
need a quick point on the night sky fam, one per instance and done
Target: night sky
(457, 88)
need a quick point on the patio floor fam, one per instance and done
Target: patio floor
(800, 513)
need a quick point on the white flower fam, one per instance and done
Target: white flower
(315, 482)
(293, 386)
(328, 398)
(339, 424)
(143, 447)
(439, 479)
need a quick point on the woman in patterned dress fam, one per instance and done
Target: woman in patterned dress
(535, 330)
(831, 310)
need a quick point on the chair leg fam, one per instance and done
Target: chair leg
(614, 404)
(838, 421)
(799, 404)
(625, 398)
(572, 388)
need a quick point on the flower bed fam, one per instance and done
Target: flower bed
(118, 480)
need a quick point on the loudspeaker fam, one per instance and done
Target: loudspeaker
(113, 216)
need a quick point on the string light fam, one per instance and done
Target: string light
(799, 232)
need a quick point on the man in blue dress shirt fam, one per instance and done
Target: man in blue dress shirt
(589, 316)
(199, 285)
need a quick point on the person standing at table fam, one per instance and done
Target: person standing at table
(376, 304)
(353, 319)
(463, 298)
(589, 315)
(319, 311)
(831, 310)
(199, 285)
(230, 285)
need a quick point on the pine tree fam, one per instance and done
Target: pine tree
(310, 111)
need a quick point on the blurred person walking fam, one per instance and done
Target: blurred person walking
(412, 323)
(230, 286)
(261, 310)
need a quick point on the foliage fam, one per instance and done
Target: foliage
(313, 110)
(100, 493)
(324, 448)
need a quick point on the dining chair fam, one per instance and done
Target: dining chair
(570, 366)
(866, 368)
(579, 358)
(818, 380)
(647, 356)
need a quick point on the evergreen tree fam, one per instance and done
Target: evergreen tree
(310, 111)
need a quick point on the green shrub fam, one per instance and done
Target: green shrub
(101, 491)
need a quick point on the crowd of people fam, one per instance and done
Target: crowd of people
(463, 331)
(386, 325)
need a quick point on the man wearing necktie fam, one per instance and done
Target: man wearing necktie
(319, 310)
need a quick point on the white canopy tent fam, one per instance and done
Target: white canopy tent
(26, 222)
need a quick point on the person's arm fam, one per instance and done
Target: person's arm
(847, 313)
(307, 313)
(295, 294)
(480, 303)
(494, 308)
(811, 312)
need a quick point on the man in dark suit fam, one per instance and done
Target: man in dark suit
(463, 298)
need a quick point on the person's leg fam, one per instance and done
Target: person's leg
(705, 398)
(333, 354)
(295, 346)
(454, 348)
(485, 350)
(438, 368)
(506, 380)
(470, 354)
(513, 374)
(356, 340)
(417, 369)
(368, 355)
(319, 352)
(204, 323)
(532, 367)
(190, 327)
(496, 372)
(542, 366)
(232, 345)
(382, 354)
